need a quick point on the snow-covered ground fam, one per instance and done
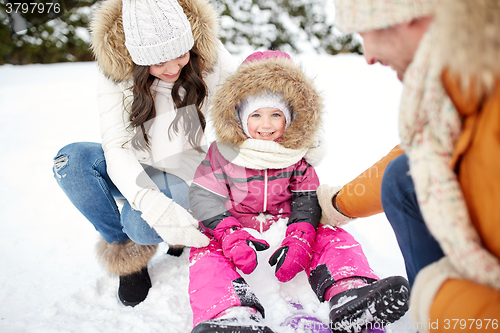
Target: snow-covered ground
(50, 281)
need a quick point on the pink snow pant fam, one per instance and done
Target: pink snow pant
(215, 285)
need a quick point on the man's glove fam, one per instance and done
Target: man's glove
(238, 245)
(295, 253)
(330, 214)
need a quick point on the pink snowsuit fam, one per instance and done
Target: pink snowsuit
(221, 190)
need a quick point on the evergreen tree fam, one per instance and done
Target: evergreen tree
(289, 25)
(31, 37)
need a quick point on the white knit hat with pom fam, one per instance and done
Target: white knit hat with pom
(367, 15)
(155, 30)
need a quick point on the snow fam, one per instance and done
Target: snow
(50, 279)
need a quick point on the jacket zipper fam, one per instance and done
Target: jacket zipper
(265, 190)
(265, 199)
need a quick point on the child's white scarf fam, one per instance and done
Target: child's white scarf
(262, 154)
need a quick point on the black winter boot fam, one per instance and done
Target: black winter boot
(375, 305)
(134, 288)
(129, 261)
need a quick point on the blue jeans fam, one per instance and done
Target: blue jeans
(80, 170)
(418, 246)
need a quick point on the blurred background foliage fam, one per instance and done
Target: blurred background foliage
(289, 25)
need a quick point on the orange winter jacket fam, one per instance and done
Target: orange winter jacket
(476, 160)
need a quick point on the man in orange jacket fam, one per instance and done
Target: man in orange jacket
(441, 187)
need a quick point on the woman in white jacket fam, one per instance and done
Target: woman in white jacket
(160, 62)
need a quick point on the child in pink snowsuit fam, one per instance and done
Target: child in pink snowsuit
(267, 118)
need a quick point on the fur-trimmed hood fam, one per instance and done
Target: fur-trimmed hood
(468, 40)
(108, 37)
(275, 75)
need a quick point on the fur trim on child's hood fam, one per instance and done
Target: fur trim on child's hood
(278, 76)
(108, 37)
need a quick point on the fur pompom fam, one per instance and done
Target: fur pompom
(124, 258)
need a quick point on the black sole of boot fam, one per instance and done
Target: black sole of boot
(225, 327)
(382, 302)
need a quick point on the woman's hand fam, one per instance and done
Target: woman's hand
(173, 223)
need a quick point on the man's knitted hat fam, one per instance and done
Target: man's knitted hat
(155, 31)
(367, 15)
(262, 101)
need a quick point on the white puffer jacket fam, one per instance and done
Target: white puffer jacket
(175, 155)
(123, 161)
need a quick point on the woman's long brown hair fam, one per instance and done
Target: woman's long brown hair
(143, 107)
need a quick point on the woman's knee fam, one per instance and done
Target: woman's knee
(75, 156)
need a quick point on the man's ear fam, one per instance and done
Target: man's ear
(412, 23)
(421, 22)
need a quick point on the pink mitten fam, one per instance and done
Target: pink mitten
(238, 245)
(295, 253)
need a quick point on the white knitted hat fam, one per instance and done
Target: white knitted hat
(262, 101)
(155, 30)
(366, 15)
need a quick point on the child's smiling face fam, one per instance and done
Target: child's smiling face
(266, 124)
